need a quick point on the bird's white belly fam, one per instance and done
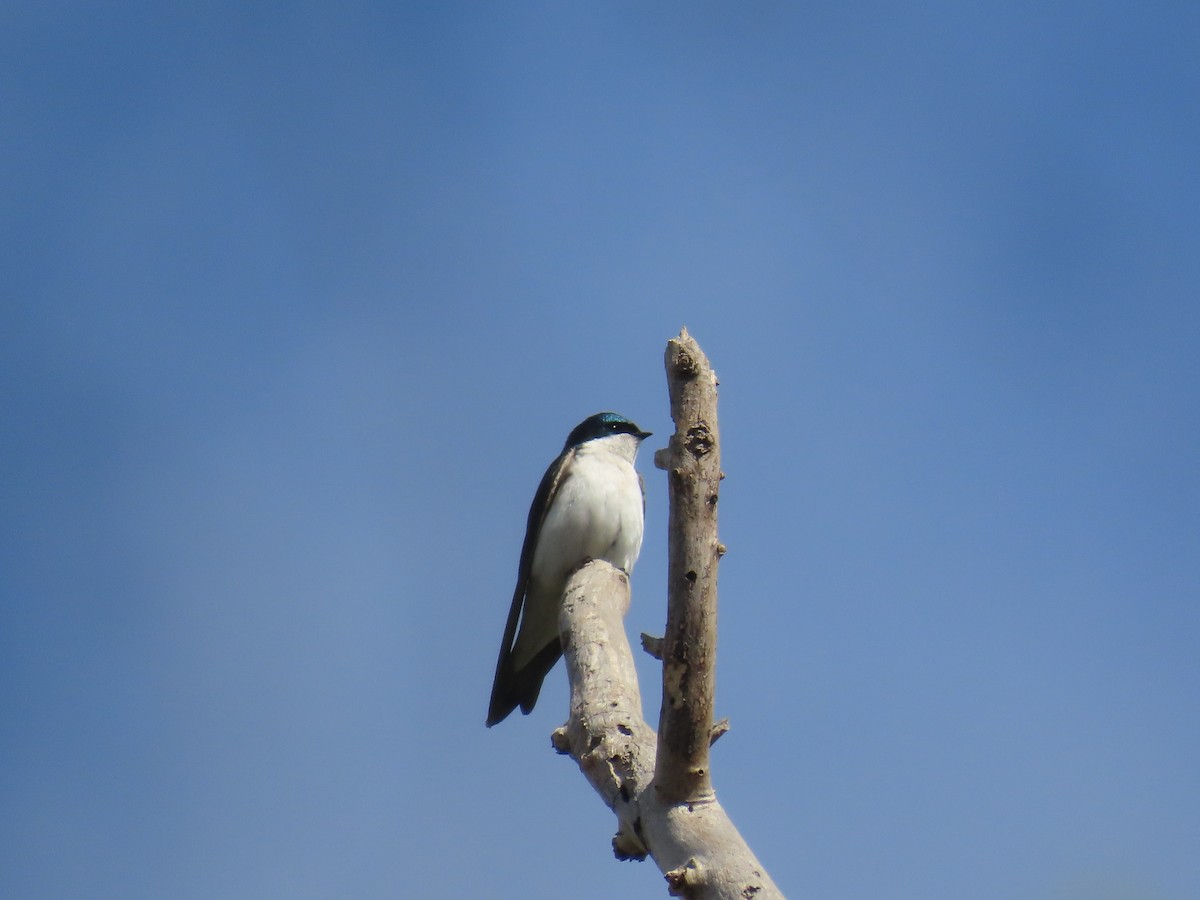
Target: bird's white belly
(597, 514)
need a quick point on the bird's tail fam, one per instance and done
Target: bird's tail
(520, 687)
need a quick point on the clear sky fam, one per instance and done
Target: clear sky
(299, 300)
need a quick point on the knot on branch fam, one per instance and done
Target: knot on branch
(652, 645)
(628, 843)
(684, 362)
(719, 728)
(561, 741)
(685, 880)
(699, 440)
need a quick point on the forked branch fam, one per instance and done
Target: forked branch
(660, 786)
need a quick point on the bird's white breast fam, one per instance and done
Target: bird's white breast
(596, 514)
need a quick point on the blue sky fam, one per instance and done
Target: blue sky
(300, 300)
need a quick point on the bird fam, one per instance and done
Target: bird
(590, 505)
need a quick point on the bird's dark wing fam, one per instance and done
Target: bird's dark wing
(511, 688)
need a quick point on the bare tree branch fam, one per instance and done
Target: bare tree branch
(606, 734)
(689, 650)
(661, 789)
(694, 843)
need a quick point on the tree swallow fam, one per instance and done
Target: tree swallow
(590, 505)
